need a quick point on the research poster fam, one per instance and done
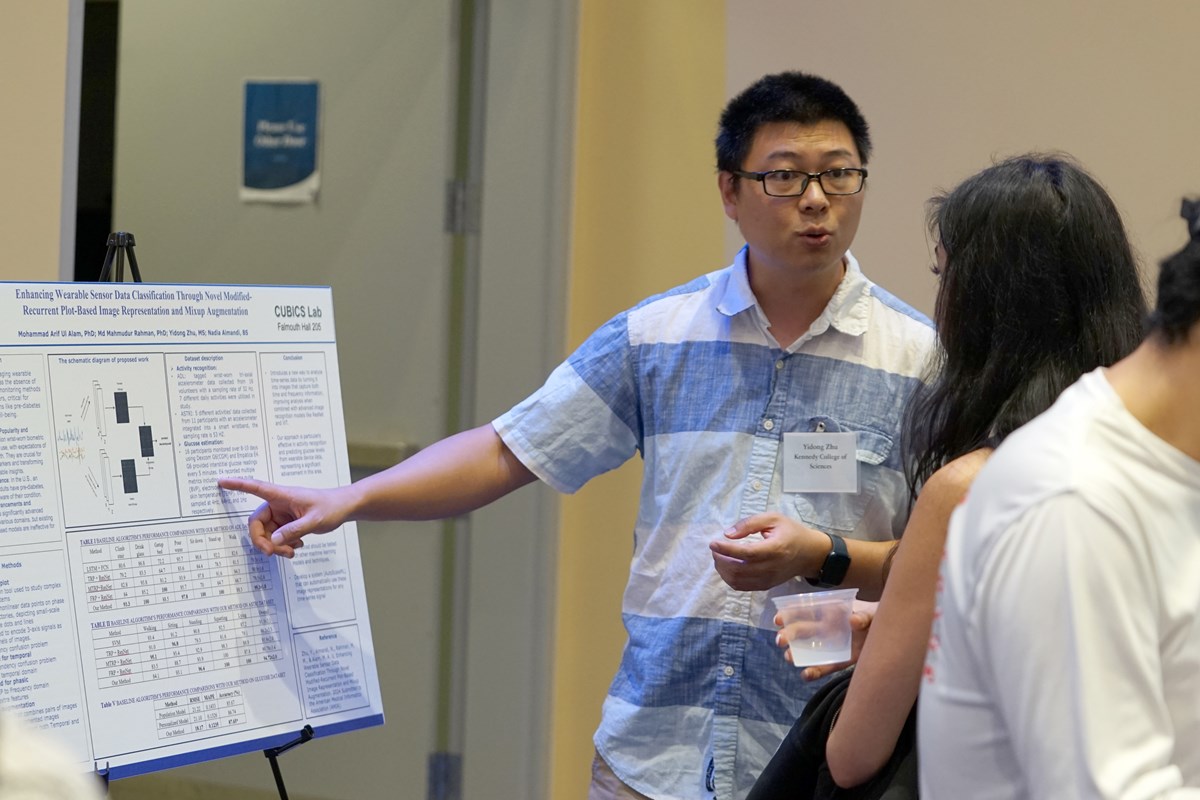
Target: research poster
(137, 624)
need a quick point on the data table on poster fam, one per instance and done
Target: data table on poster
(164, 649)
(207, 713)
(178, 569)
(137, 623)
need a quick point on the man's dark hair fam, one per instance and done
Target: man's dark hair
(1178, 306)
(1040, 286)
(785, 97)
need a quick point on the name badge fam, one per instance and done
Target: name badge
(820, 462)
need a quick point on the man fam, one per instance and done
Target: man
(1066, 658)
(703, 381)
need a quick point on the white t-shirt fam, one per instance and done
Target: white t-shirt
(1065, 655)
(34, 767)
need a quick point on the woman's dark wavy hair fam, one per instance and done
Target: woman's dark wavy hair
(1040, 286)
(1178, 306)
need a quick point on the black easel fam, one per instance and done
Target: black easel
(272, 753)
(102, 775)
(120, 245)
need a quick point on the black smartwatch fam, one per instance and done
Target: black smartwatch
(833, 571)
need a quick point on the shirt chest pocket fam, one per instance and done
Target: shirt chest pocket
(838, 511)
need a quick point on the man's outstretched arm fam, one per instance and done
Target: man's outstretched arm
(453, 476)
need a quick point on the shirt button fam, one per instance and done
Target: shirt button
(769, 424)
(756, 486)
(779, 364)
(728, 671)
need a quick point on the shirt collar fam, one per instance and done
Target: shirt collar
(737, 296)
(850, 307)
(847, 310)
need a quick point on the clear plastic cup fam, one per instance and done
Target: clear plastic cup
(817, 625)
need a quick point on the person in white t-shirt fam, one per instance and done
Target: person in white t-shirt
(1065, 656)
(34, 767)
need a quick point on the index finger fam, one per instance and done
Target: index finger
(260, 489)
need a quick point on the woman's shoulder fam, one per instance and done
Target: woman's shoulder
(948, 486)
(939, 496)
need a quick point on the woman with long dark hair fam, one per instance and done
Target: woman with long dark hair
(1038, 285)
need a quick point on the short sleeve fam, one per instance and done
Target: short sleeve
(585, 420)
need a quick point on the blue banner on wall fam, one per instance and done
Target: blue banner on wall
(280, 142)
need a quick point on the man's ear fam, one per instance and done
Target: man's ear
(727, 183)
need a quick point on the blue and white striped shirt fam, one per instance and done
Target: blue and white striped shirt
(693, 381)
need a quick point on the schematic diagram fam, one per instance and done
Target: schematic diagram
(113, 438)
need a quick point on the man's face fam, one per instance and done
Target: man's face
(806, 235)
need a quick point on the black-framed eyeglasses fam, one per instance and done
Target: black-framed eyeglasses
(793, 182)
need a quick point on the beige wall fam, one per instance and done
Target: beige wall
(39, 135)
(948, 87)
(650, 87)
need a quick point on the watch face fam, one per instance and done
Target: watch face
(833, 572)
(835, 568)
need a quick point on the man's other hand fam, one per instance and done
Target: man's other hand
(786, 549)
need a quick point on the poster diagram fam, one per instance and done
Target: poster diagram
(137, 624)
(113, 438)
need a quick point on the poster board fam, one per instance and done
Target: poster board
(137, 624)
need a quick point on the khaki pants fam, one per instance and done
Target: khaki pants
(607, 786)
